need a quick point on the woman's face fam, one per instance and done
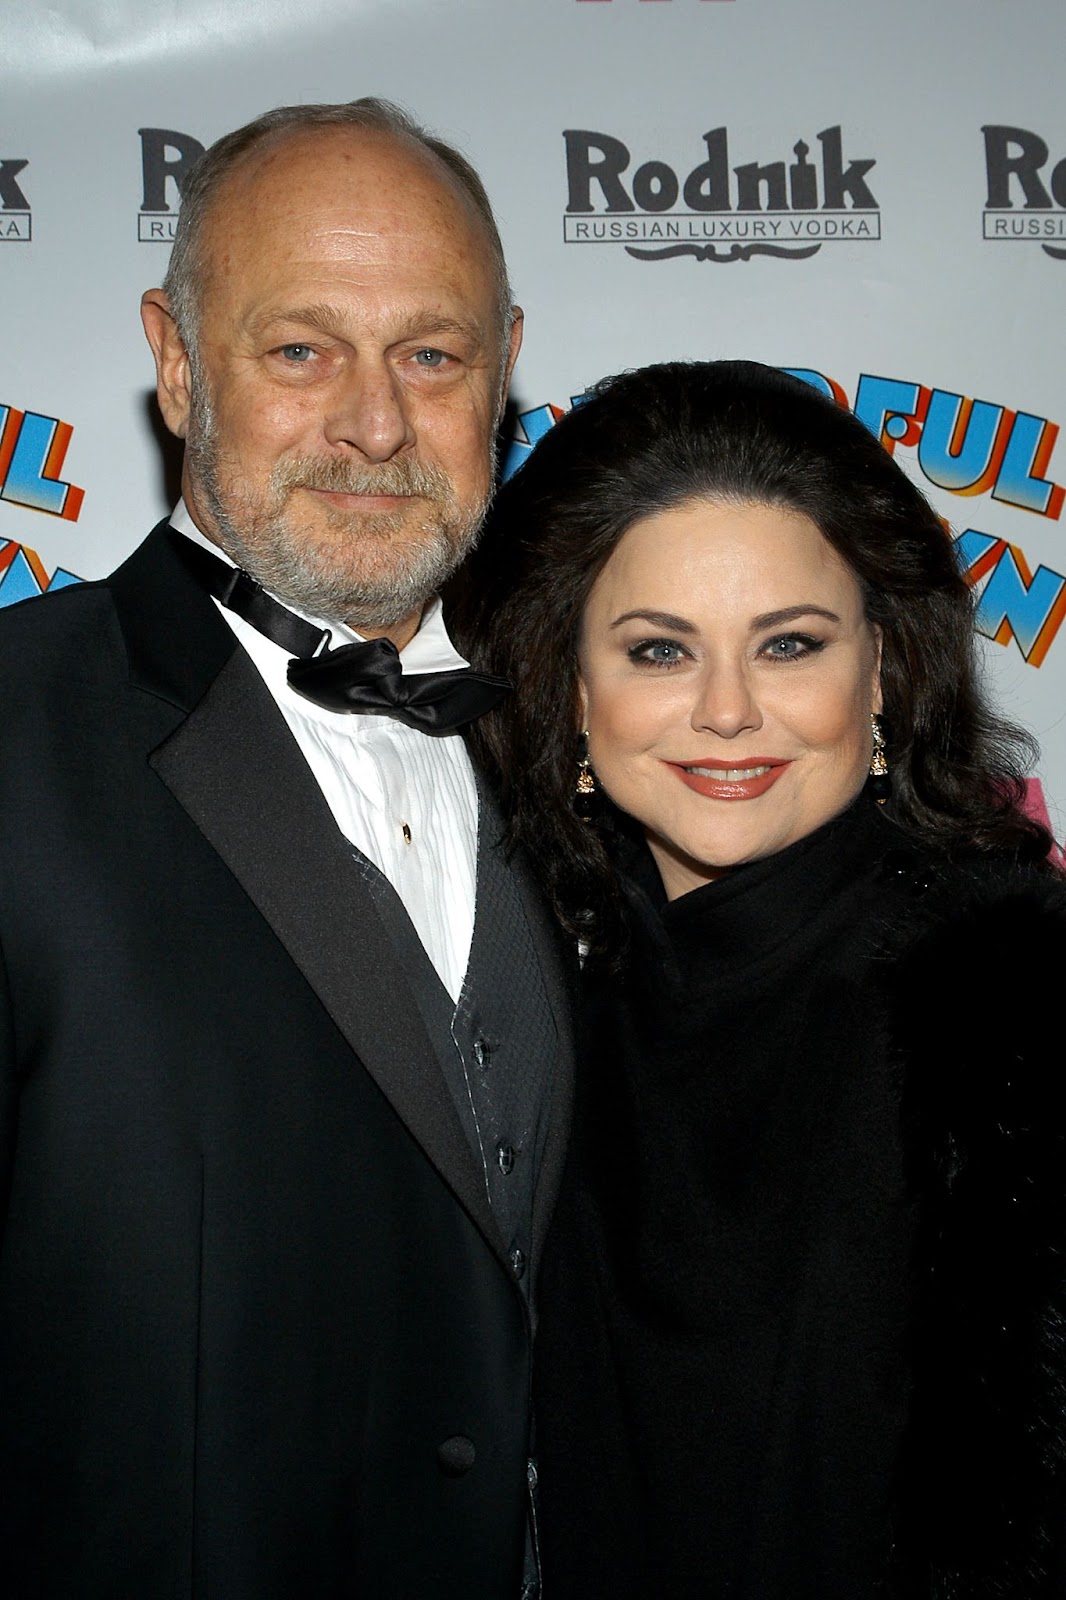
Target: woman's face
(728, 675)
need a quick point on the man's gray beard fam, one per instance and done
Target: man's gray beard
(420, 556)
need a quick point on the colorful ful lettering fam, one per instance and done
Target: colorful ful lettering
(33, 448)
(32, 451)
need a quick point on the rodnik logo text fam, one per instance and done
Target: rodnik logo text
(717, 211)
(167, 157)
(1026, 189)
(15, 219)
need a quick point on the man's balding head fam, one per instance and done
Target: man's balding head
(333, 341)
(184, 281)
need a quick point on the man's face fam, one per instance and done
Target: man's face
(340, 415)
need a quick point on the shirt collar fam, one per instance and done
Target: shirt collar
(431, 650)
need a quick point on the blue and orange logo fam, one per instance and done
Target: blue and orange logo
(33, 448)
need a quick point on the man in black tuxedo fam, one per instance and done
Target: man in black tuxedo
(283, 1052)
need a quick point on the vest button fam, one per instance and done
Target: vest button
(505, 1157)
(518, 1263)
(481, 1051)
(456, 1455)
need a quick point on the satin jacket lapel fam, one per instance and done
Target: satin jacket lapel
(234, 767)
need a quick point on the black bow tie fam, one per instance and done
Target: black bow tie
(365, 677)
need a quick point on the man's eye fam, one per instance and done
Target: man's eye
(297, 352)
(430, 358)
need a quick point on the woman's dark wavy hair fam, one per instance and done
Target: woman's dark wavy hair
(733, 431)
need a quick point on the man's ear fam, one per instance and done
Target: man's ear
(173, 387)
(518, 317)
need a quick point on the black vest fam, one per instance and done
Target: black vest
(497, 1047)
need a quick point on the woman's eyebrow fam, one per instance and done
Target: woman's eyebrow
(773, 619)
(658, 619)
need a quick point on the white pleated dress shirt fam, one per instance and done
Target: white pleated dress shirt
(406, 800)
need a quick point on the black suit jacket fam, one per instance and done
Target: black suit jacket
(249, 1282)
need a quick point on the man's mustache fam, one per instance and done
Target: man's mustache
(405, 476)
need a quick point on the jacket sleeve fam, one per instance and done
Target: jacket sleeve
(978, 1027)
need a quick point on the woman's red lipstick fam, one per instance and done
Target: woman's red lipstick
(742, 781)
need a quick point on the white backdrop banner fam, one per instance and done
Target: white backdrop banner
(872, 196)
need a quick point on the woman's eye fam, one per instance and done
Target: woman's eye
(791, 647)
(657, 652)
(297, 352)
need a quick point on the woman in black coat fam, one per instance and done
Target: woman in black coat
(803, 1312)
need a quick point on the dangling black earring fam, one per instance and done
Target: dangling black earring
(879, 782)
(585, 787)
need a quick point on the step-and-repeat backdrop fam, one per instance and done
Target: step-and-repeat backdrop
(874, 195)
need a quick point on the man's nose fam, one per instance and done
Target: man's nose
(368, 411)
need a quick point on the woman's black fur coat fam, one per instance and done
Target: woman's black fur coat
(977, 1015)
